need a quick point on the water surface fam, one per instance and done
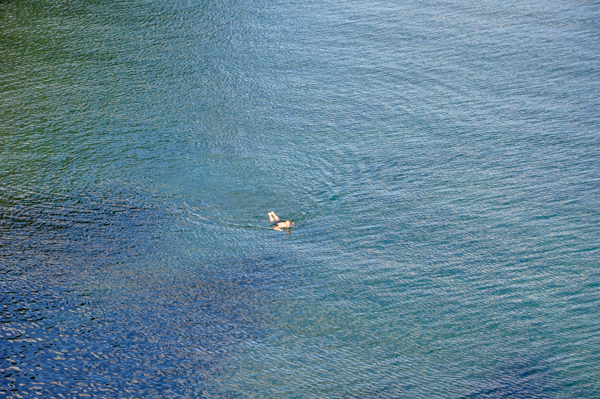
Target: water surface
(440, 161)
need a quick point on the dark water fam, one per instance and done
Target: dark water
(441, 161)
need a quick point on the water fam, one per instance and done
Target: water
(440, 161)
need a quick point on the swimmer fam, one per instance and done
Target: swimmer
(278, 223)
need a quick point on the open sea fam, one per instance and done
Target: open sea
(440, 159)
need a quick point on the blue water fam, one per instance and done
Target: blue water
(441, 161)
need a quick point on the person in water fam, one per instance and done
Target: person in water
(278, 223)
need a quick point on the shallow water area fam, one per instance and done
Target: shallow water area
(440, 161)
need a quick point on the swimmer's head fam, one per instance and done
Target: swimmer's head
(288, 223)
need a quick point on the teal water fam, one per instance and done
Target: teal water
(440, 160)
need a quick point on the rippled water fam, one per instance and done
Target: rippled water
(440, 160)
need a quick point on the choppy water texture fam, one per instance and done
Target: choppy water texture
(441, 161)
